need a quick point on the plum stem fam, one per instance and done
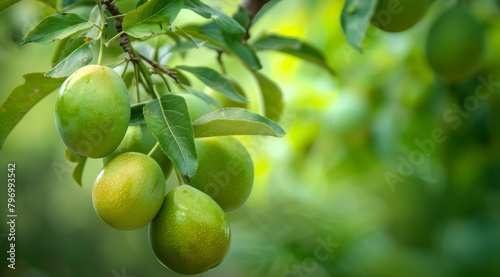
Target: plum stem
(154, 149)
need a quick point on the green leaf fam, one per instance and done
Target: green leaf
(95, 17)
(355, 19)
(80, 165)
(235, 121)
(7, 3)
(244, 54)
(271, 97)
(241, 17)
(137, 113)
(234, 46)
(207, 98)
(60, 45)
(22, 98)
(56, 27)
(168, 120)
(226, 24)
(269, 5)
(292, 47)
(152, 18)
(216, 81)
(76, 54)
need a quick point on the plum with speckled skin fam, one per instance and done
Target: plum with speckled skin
(129, 191)
(190, 234)
(92, 111)
(225, 171)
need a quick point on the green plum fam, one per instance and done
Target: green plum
(225, 171)
(139, 139)
(92, 111)
(398, 15)
(190, 234)
(456, 44)
(129, 191)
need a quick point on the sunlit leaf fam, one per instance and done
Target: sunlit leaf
(235, 121)
(226, 24)
(56, 27)
(152, 18)
(230, 46)
(74, 56)
(272, 98)
(216, 81)
(355, 20)
(168, 120)
(292, 47)
(22, 98)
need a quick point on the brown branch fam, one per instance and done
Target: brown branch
(107, 5)
(251, 7)
(156, 65)
(125, 40)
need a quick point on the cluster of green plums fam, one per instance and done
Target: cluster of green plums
(455, 41)
(188, 229)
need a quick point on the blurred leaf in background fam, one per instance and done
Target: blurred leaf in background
(322, 204)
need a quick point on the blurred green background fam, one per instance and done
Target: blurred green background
(322, 203)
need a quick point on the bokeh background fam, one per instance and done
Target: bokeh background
(337, 196)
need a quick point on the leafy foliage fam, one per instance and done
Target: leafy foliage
(355, 20)
(56, 27)
(168, 120)
(235, 121)
(152, 18)
(36, 86)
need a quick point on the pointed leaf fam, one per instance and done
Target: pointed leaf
(292, 47)
(226, 24)
(207, 98)
(355, 18)
(80, 165)
(235, 121)
(137, 113)
(168, 120)
(56, 27)
(271, 97)
(152, 18)
(216, 81)
(22, 98)
(76, 54)
(241, 17)
(95, 17)
(269, 5)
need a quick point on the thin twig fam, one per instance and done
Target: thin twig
(221, 63)
(251, 7)
(124, 39)
(156, 65)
